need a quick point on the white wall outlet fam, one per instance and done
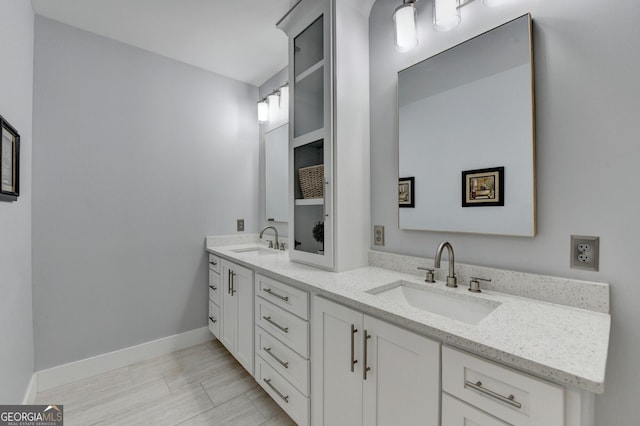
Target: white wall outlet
(378, 235)
(585, 252)
(240, 225)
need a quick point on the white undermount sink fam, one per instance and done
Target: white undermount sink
(456, 306)
(255, 250)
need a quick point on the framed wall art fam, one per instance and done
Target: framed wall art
(483, 187)
(9, 162)
(406, 192)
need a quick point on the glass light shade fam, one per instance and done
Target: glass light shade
(263, 111)
(404, 19)
(274, 105)
(446, 15)
(284, 99)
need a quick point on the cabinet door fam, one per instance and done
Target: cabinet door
(336, 364)
(243, 293)
(229, 326)
(402, 385)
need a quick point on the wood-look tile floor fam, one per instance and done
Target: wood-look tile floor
(200, 385)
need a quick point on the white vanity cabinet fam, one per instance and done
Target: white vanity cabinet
(282, 345)
(214, 295)
(473, 386)
(366, 371)
(329, 132)
(236, 329)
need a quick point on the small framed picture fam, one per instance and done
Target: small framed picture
(483, 187)
(406, 191)
(9, 162)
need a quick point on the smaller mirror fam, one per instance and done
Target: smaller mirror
(276, 149)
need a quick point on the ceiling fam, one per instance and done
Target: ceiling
(237, 39)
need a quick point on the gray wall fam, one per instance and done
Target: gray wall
(136, 158)
(16, 85)
(587, 91)
(267, 87)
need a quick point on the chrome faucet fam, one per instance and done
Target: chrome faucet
(277, 246)
(451, 279)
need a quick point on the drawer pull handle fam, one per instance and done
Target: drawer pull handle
(213, 288)
(270, 321)
(354, 361)
(282, 363)
(271, 292)
(511, 400)
(284, 397)
(213, 319)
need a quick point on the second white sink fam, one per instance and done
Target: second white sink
(255, 251)
(456, 306)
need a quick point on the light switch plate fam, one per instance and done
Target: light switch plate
(378, 235)
(240, 225)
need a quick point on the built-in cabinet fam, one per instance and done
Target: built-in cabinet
(367, 372)
(329, 135)
(236, 329)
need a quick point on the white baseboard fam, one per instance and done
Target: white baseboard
(88, 367)
(32, 391)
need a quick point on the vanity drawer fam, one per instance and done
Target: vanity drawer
(287, 297)
(293, 331)
(281, 358)
(283, 393)
(214, 319)
(514, 397)
(457, 413)
(214, 288)
(214, 263)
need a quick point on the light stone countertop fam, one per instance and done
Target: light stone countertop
(563, 344)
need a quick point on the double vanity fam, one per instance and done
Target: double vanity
(378, 345)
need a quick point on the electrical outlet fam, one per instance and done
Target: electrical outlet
(240, 225)
(378, 235)
(585, 252)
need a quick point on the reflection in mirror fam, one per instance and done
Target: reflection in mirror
(276, 148)
(463, 111)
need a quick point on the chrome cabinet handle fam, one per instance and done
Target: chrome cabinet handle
(213, 319)
(270, 321)
(354, 361)
(233, 283)
(282, 363)
(213, 288)
(271, 292)
(477, 386)
(366, 337)
(229, 281)
(280, 394)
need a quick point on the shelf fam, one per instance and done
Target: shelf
(309, 202)
(309, 70)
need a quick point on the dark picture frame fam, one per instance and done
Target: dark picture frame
(406, 192)
(9, 162)
(483, 187)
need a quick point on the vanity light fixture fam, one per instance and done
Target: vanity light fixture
(404, 18)
(446, 14)
(273, 99)
(263, 110)
(495, 3)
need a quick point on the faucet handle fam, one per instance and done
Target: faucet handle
(430, 278)
(474, 284)
(282, 246)
(270, 244)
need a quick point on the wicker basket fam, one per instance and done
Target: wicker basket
(311, 181)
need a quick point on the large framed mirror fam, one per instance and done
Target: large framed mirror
(276, 149)
(467, 136)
